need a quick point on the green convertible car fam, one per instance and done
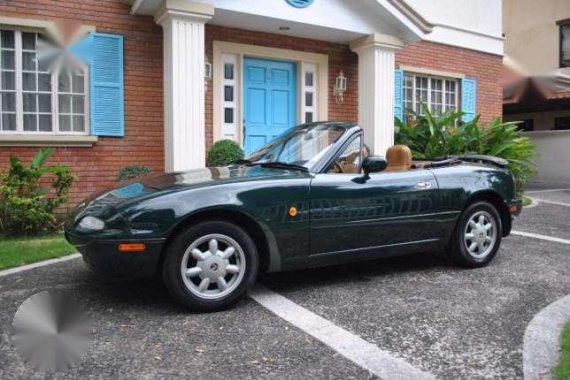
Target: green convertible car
(313, 196)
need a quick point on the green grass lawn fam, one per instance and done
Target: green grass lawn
(20, 251)
(526, 201)
(563, 369)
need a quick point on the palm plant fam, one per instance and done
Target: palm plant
(432, 136)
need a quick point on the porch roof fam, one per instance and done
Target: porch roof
(332, 20)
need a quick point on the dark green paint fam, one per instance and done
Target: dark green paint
(341, 217)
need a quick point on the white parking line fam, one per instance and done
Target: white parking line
(541, 237)
(545, 191)
(39, 264)
(540, 200)
(367, 355)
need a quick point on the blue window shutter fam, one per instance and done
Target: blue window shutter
(468, 99)
(399, 94)
(107, 86)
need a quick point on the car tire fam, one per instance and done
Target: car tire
(477, 236)
(210, 266)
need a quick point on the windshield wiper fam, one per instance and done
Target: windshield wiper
(241, 162)
(279, 165)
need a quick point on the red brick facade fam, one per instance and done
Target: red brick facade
(96, 167)
(486, 68)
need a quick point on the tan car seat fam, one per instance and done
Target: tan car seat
(399, 158)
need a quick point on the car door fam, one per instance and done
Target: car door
(355, 214)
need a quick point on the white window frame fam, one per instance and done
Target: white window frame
(54, 95)
(229, 130)
(428, 101)
(307, 68)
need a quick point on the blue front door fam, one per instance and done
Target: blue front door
(269, 100)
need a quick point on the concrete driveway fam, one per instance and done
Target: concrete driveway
(447, 322)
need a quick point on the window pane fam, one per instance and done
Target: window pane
(30, 103)
(28, 41)
(308, 117)
(63, 83)
(228, 115)
(29, 61)
(78, 124)
(45, 123)
(8, 80)
(349, 160)
(29, 81)
(565, 42)
(229, 93)
(44, 82)
(65, 123)
(309, 99)
(309, 79)
(77, 104)
(43, 65)
(8, 60)
(9, 101)
(229, 71)
(7, 39)
(30, 123)
(9, 122)
(44, 103)
(64, 103)
(78, 83)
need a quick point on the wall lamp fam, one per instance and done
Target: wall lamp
(340, 87)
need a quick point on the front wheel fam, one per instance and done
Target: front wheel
(210, 266)
(477, 236)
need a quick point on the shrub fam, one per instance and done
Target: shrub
(27, 208)
(224, 152)
(430, 136)
(132, 171)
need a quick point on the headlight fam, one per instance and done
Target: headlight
(92, 223)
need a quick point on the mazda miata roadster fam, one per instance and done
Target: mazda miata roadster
(313, 196)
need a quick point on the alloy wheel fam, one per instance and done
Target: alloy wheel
(213, 266)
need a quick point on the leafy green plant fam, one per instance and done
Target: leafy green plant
(431, 136)
(30, 195)
(224, 152)
(132, 171)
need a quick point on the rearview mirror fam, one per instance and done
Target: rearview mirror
(374, 164)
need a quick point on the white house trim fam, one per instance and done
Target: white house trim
(184, 108)
(319, 61)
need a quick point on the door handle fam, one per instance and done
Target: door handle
(424, 185)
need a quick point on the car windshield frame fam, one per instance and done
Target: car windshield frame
(272, 152)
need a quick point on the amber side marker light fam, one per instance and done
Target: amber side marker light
(132, 247)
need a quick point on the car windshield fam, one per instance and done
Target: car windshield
(299, 146)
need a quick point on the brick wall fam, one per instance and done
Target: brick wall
(96, 167)
(486, 68)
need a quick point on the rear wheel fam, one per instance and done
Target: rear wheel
(477, 236)
(210, 266)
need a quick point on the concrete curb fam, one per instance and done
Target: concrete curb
(541, 348)
(39, 264)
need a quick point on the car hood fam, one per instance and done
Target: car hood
(151, 187)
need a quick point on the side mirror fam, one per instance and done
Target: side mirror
(374, 164)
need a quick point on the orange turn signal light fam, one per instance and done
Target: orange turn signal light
(513, 209)
(132, 247)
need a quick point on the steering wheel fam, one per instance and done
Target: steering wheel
(338, 167)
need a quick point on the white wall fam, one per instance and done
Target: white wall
(474, 24)
(553, 156)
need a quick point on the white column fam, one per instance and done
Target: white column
(376, 65)
(183, 25)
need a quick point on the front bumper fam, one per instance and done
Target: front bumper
(104, 255)
(515, 206)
